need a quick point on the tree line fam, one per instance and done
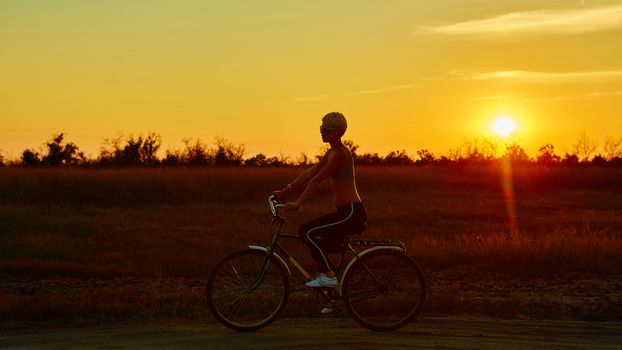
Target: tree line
(142, 151)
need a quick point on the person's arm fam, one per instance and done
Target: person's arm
(329, 169)
(307, 175)
(304, 177)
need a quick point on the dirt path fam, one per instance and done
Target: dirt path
(298, 334)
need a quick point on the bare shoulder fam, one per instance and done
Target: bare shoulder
(338, 155)
(344, 152)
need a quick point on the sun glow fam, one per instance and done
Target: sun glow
(503, 126)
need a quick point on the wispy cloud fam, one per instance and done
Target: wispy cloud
(378, 91)
(310, 98)
(492, 97)
(573, 21)
(517, 76)
(353, 93)
(573, 97)
(590, 95)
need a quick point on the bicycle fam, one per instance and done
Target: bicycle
(381, 287)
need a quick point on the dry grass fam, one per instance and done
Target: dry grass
(152, 225)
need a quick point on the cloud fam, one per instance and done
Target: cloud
(583, 20)
(491, 97)
(598, 94)
(353, 93)
(574, 97)
(377, 91)
(310, 98)
(517, 76)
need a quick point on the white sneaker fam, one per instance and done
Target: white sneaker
(322, 281)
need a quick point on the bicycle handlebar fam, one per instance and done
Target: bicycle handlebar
(274, 205)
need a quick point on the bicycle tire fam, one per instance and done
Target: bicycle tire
(238, 298)
(384, 290)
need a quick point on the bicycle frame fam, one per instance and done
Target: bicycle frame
(276, 248)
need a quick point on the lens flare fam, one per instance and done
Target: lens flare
(508, 194)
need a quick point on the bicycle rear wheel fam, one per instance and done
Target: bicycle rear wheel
(247, 290)
(384, 290)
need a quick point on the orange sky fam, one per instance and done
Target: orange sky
(407, 74)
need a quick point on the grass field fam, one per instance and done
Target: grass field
(91, 245)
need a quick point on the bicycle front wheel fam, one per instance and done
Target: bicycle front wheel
(247, 290)
(384, 290)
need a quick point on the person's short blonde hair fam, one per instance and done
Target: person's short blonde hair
(336, 121)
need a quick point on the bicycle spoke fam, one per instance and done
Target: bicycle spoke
(371, 273)
(235, 271)
(363, 295)
(392, 271)
(230, 305)
(384, 290)
(233, 285)
(242, 303)
(234, 302)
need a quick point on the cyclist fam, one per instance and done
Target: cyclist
(337, 165)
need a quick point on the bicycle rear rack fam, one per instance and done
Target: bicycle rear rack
(375, 243)
(339, 247)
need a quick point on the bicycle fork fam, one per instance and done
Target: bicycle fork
(262, 273)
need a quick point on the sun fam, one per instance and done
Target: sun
(503, 126)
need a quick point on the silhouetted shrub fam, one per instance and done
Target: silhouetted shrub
(570, 159)
(258, 160)
(196, 153)
(397, 158)
(137, 151)
(227, 154)
(30, 158)
(425, 157)
(546, 155)
(60, 153)
(173, 159)
(517, 154)
(369, 159)
(149, 149)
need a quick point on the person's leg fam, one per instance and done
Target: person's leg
(320, 227)
(334, 226)
(348, 219)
